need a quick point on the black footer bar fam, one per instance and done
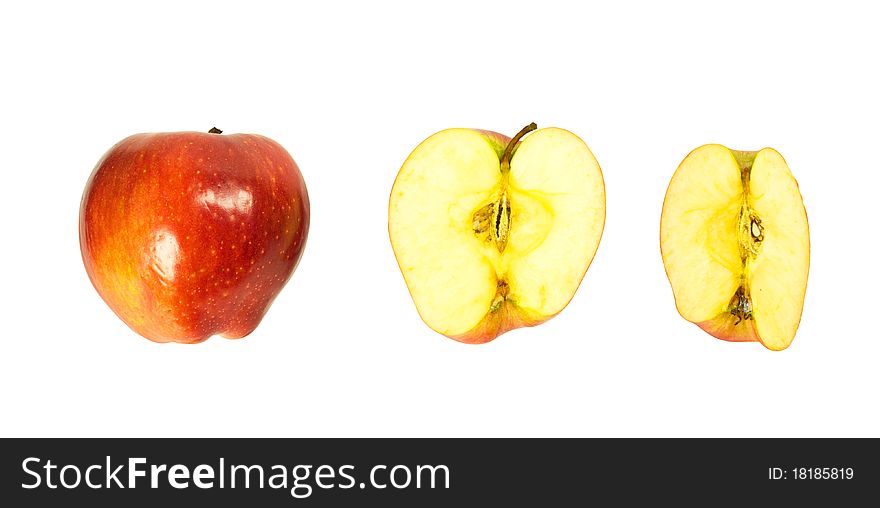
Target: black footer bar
(425, 472)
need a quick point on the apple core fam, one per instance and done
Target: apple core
(498, 211)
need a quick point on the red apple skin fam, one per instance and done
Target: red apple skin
(186, 235)
(725, 327)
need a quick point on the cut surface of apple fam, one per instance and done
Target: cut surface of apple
(736, 244)
(492, 234)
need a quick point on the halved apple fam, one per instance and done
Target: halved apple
(736, 244)
(493, 233)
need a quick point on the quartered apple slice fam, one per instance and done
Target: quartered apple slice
(493, 233)
(736, 245)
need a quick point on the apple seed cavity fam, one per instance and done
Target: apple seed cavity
(502, 222)
(497, 213)
(491, 222)
(500, 296)
(741, 306)
(751, 234)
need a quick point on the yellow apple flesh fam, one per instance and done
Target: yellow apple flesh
(736, 244)
(493, 234)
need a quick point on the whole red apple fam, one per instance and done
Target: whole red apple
(186, 235)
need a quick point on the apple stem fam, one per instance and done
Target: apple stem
(215, 130)
(508, 151)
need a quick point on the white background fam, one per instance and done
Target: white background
(350, 88)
